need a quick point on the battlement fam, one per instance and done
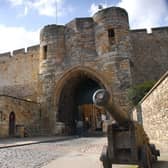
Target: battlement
(154, 31)
(139, 31)
(161, 31)
(20, 52)
(4, 56)
(80, 23)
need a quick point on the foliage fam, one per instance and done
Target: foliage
(137, 92)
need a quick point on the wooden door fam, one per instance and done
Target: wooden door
(12, 124)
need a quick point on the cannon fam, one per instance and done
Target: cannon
(127, 142)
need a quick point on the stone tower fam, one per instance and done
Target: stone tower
(52, 52)
(80, 57)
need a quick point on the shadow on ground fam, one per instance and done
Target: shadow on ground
(161, 164)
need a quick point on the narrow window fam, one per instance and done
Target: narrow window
(111, 35)
(45, 52)
(40, 113)
(1, 116)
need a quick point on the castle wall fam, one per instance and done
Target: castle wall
(102, 48)
(87, 49)
(149, 54)
(154, 111)
(27, 114)
(19, 73)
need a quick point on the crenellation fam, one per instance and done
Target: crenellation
(142, 31)
(21, 51)
(33, 49)
(161, 32)
(150, 54)
(7, 54)
(4, 57)
(165, 28)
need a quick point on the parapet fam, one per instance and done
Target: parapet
(32, 50)
(19, 51)
(51, 32)
(5, 56)
(163, 31)
(154, 31)
(80, 23)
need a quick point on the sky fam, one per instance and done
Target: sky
(21, 20)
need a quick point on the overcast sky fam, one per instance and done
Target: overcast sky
(21, 20)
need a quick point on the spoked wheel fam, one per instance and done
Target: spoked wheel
(107, 163)
(155, 152)
(145, 159)
(105, 159)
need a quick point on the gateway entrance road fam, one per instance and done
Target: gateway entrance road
(74, 153)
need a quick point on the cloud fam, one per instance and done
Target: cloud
(43, 7)
(142, 13)
(166, 19)
(17, 37)
(16, 2)
(94, 8)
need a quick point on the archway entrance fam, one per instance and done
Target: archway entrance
(12, 124)
(76, 105)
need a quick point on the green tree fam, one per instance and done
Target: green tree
(137, 92)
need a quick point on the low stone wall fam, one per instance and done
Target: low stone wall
(154, 111)
(27, 114)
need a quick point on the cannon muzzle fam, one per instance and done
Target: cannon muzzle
(103, 98)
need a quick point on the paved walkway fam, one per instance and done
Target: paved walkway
(47, 152)
(13, 142)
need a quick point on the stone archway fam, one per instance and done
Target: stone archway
(75, 99)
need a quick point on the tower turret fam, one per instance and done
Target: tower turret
(112, 31)
(51, 56)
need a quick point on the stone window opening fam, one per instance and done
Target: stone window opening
(1, 117)
(45, 52)
(111, 36)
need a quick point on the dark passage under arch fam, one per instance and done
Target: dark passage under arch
(76, 102)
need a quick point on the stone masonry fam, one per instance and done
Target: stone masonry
(83, 46)
(86, 53)
(154, 111)
(27, 114)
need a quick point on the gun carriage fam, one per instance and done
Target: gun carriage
(127, 141)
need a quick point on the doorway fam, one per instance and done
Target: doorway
(75, 104)
(12, 124)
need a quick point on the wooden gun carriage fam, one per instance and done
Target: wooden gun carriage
(127, 141)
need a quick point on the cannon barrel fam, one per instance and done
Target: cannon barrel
(102, 98)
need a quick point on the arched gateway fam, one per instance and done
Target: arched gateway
(78, 58)
(74, 100)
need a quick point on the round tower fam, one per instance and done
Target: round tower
(113, 47)
(111, 30)
(51, 56)
(51, 47)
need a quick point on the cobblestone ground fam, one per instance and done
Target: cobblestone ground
(38, 155)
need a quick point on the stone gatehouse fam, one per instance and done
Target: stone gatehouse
(56, 79)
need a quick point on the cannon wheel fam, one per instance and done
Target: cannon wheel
(105, 159)
(154, 152)
(107, 163)
(145, 159)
